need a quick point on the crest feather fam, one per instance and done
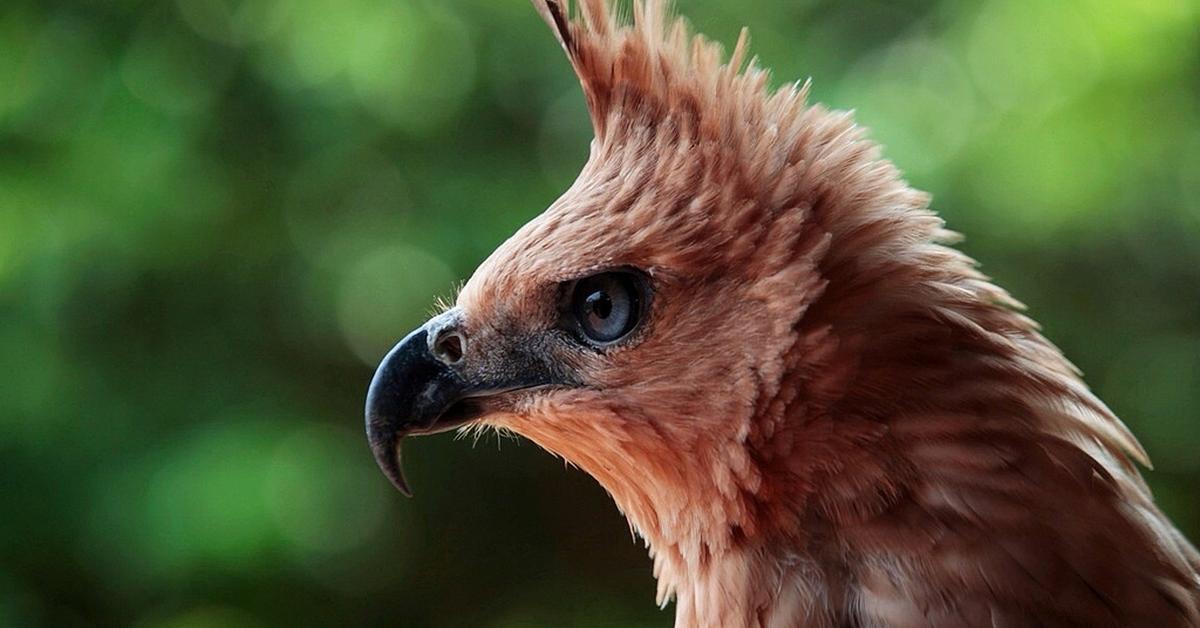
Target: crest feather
(555, 15)
(652, 61)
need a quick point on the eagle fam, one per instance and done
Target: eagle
(759, 339)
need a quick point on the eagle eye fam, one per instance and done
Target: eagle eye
(607, 306)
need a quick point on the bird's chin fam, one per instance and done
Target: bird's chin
(459, 414)
(497, 410)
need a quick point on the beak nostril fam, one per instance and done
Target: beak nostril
(449, 347)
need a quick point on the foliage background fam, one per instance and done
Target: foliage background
(216, 216)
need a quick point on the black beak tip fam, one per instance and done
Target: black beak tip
(396, 475)
(386, 409)
(386, 450)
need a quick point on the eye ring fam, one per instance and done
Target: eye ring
(607, 307)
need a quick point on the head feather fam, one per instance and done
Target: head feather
(781, 155)
(654, 57)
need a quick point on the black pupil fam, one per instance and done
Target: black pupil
(599, 304)
(606, 306)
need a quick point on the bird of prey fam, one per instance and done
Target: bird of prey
(748, 328)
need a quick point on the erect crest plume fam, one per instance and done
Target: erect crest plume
(654, 64)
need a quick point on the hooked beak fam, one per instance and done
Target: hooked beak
(434, 380)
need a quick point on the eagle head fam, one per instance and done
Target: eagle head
(754, 334)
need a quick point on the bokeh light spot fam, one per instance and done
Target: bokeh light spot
(324, 491)
(1027, 53)
(918, 101)
(61, 79)
(235, 22)
(1043, 176)
(17, 28)
(414, 73)
(409, 63)
(169, 70)
(1142, 38)
(387, 293)
(205, 505)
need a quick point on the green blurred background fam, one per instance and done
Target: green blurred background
(217, 215)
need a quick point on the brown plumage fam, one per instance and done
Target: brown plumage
(825, 416)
